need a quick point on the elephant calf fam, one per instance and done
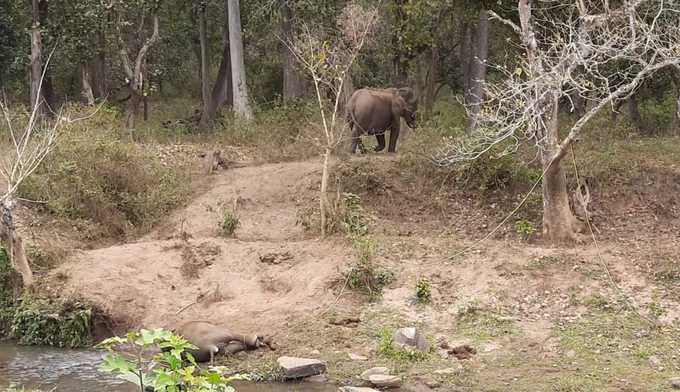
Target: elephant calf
(375, 111)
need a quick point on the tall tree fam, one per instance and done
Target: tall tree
(222, 90)
(478, 68)
(293, 87)
(36, 59)
(135, 71)
(204, 57)
(238, 69)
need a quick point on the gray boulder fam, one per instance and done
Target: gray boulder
(410, 338)
(300, 367)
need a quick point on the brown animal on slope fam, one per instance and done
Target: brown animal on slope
(213, 160)
(211, 340)
(374, 112)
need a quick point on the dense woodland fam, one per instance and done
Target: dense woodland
(533, 203)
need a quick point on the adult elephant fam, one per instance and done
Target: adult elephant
(376, 111)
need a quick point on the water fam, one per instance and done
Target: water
(51, 369)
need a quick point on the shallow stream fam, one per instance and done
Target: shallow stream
(51, 369)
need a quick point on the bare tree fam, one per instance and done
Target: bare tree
(584, 47)
(238, 67)
(29, 146)
(329, 64)
(135, 72)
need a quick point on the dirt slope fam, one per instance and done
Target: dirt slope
(164, 279)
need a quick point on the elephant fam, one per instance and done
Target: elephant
(211, 339)
(375, 111)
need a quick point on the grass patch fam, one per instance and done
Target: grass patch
(423, 291)
(482, 324)
(609, 347)
(229, 223)
(96, 176)
(544, 262)
(387, 349)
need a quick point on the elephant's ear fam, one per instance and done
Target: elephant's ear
(408, 95)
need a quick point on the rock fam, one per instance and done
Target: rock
(654, 361)
(300, 367)
(675, 383)
(357, 389)
(410, 338)
(373, 371)
(384, 381)
(315, 352)
(320, 378)
(357, 357)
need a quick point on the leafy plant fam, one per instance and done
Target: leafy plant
(165, 371)
(524, 229)
(60, 324)
(7, 301)
(387, 348)
(230, 223)
(354, 219)
(423, 291)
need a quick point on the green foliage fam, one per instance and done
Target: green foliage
(230, 222)
(96, 176)
(387, 348)
(423, 291)
(489, 173)
(354, 219)
(524, 229)
(52, 323)
(166, 371)
(7, 302)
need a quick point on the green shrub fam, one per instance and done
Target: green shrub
(423, 291)
(95, 176)
(354, 219)
(524, 229)
(60, 324)
(229, 223)
(489, 173)
(7, 292)
(387, 349)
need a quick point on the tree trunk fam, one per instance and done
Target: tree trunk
(132, 109)
(204, 62)
(465, 63)
(293, 87)
(222, 90)
(429, 94)
(15, 245)
(86, 87)
(99, 84)
(399, 63)
(36, 60)
(634, 113)
(238, 68)
(323, 202)
(478, 69)
(559, 222)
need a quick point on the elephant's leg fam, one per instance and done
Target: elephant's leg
(356, 140)
(394, 135)
(381, 142)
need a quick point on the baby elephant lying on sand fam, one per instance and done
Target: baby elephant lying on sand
(212, 340)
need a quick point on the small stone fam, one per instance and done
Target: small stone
(315, 352)
(675, 382)
(409, 337)
(654, 361)
(385, 381)
(300, 367)
(373, 371)
(357, 389)
(570, 354)
(320, 378)
(357, 357)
